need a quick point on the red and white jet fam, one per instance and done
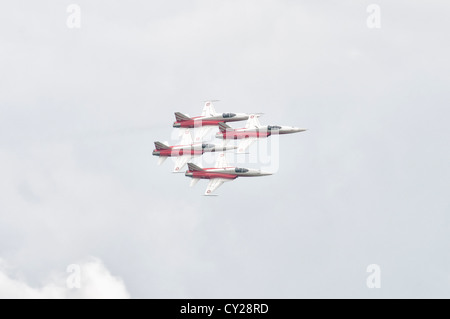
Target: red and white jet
(209, 118)
(185, 151)
(220, 174)
(253, 131)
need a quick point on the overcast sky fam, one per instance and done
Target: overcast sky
(368, 183)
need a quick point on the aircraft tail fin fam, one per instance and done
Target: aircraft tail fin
(193, 167)
(180, 117)
(161, 146)
(223, 127)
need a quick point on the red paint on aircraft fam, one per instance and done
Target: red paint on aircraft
(237, 135)
(170, 152)
(208, 175)
(191, 123)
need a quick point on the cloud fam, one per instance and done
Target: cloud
(96, 281)
(51, 202)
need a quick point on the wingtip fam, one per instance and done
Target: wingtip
(210, 102)
(259, 114)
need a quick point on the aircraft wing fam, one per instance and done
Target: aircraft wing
(253, 121)
(180, 162)
(245, 144)
(221, 160)
(186, 137)
(161, 159)
(208, 109)
(214, 183)
(201, 132)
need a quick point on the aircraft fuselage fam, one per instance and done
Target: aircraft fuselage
(177, 152)
(192, 149)
(240, 134)
(225, 172)
(200, 121)
(260, 132)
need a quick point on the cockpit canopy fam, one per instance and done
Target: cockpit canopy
(240, 170)
(227, 115)
(273, 127)
(204, 145)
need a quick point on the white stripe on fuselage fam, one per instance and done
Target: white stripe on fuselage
(262, 129)
(224, 170)
(189, 146)
(238, 117)
(230, 171)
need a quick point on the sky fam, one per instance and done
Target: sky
(367, 184)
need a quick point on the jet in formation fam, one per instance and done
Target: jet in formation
(199, 127)
(221, 173)
(253, 131)
(207, 121)
(186, 151)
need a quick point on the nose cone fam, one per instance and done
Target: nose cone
(155, 153)
(227, 148)
(223, 148)
(258, 172)
(242, 116)
(176, 124)
(298, 129)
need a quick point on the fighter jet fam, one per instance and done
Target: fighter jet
(185, 151)
(253, 131)
(209, 118)
(220, 174)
